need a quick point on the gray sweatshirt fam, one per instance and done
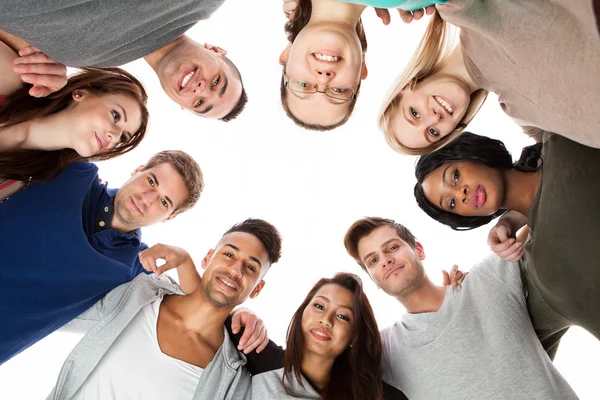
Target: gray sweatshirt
(479, 345)
(225, 377)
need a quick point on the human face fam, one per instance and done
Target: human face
(98, 124)
(465, 188)
(234, 270)
(328, 55)
(327, 321)
(392, 264)
(199, 79)
(149, 196)
(429, 111)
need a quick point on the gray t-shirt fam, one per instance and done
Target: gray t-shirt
(267, 385)
(479, 345)
(101, 33)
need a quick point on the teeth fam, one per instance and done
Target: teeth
(444, 104)
(228, 284)
(187, 78)
(324, 57)
(320, 334)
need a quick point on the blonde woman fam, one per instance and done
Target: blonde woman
(540, 58)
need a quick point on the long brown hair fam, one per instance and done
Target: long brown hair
(356, 373)
(19, 107)
(297, 21)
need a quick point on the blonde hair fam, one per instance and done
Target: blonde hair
(436, 44)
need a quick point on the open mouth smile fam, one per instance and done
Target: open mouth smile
(445, 103)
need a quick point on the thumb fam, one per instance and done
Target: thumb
(384, 15)
(170, 264)
(446, 278)
(502, 233)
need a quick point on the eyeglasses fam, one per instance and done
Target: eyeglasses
(299, 86)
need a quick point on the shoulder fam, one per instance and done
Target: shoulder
(494, 270)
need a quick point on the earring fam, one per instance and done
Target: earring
(77, 95)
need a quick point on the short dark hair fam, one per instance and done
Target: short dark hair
(470, 147)
(242, 101)
(363, 227)
(266, 233)
(187, 168)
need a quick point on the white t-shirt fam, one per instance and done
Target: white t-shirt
(135, 368)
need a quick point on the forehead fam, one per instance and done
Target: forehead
(248, 245)
(374, 240)
(433, 182)
(336, 294)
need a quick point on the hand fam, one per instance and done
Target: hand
(288, 7)
(406, 16)
(45, 74)
(173, 256)
(455, 277)
(503, 243)
(255, 333)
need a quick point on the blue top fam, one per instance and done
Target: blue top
(58, 255)
(408, 5)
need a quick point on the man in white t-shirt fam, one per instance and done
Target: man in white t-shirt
(472, 341)
(146, 339)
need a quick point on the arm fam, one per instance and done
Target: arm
(175, 257)
(501, 238)
(9, 81)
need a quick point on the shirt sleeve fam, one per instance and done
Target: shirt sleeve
(391, 393)
(271, 358)
(137, 267)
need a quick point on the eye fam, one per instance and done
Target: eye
(452, 204)
(216, 81)
(339, 90)
(151, 182)
(164, 203)
(228, 255)
(414, 113)
(373, 261)
(317, 305)
(116, 116)
(302, 84)
(433, 132)
(391, 249)
(344, 317)
(456, 176)
(199, 103)
(251, 268)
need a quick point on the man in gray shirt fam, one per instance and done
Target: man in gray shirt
(473, 341)
(105, 33)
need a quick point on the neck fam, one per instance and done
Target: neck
(153, 59)
(120, 226)
(200, 316)
(335, 11)
(426, 298)
(454, 64)
(316, 369)
(520, 189)
(46, 133)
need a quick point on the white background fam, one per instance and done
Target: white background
(311, 185)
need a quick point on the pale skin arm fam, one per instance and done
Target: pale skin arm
(502, 237)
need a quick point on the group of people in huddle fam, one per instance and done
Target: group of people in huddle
(73, 257)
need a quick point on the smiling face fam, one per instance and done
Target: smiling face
(327, 321)
(98, 124)
(392, 263)
(148, 197)
(328, 55)
(429, 111)
(234, 270)
(199, 79)
(465, 188)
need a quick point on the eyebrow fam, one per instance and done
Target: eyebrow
(158, 184)
(383, 245)
(443, 183)
(329, 301)
(224, 87)
(207, 109)
(256, 260)
(124, 113)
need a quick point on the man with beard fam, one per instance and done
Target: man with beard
(67, 243)
(147, 340)
(497, 353)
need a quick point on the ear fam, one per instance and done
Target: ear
(137, 170)
(257, 289)
(215, 49)
(365, 70)
(79, 94)
(170, 217)
(420, 251)
(207, 258)
(283, 57)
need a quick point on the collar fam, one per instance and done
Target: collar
(105, 213)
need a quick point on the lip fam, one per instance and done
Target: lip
(183, 75)
(221, 282)
(100, 141)
(135, 206)
(393, 270)
(322, 331)
(327, 53)
(447, 101)
(478, 197)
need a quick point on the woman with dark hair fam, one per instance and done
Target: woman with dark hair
(472, 180)
(99, 114)
(323, 63)
(333, 349)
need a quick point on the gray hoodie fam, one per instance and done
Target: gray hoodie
(225, 377)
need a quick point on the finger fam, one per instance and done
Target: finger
(462, 278)
(417, 15)
(236, 322)
(515, 256)
(406, 16)
(502, 246)
(25, 51)
(446, 278)
(169, 265)
(264, 344)
(248, 332)
(429, 10)
(147, 262)
(40, 91)
(50, 81)
(35, 58)
(254, 343)
(256, 336)
(384, 15)
(510, 250)
(502, 233)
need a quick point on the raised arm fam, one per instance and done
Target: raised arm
(502, 237)
(9, 81)
(174, 257)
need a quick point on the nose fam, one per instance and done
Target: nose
(324, 75)
(148, 197)
(387, 260)
(463, 193)
(326, 321)
(201, 88)
(114, 137)
(433, 117)
(236, 270)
